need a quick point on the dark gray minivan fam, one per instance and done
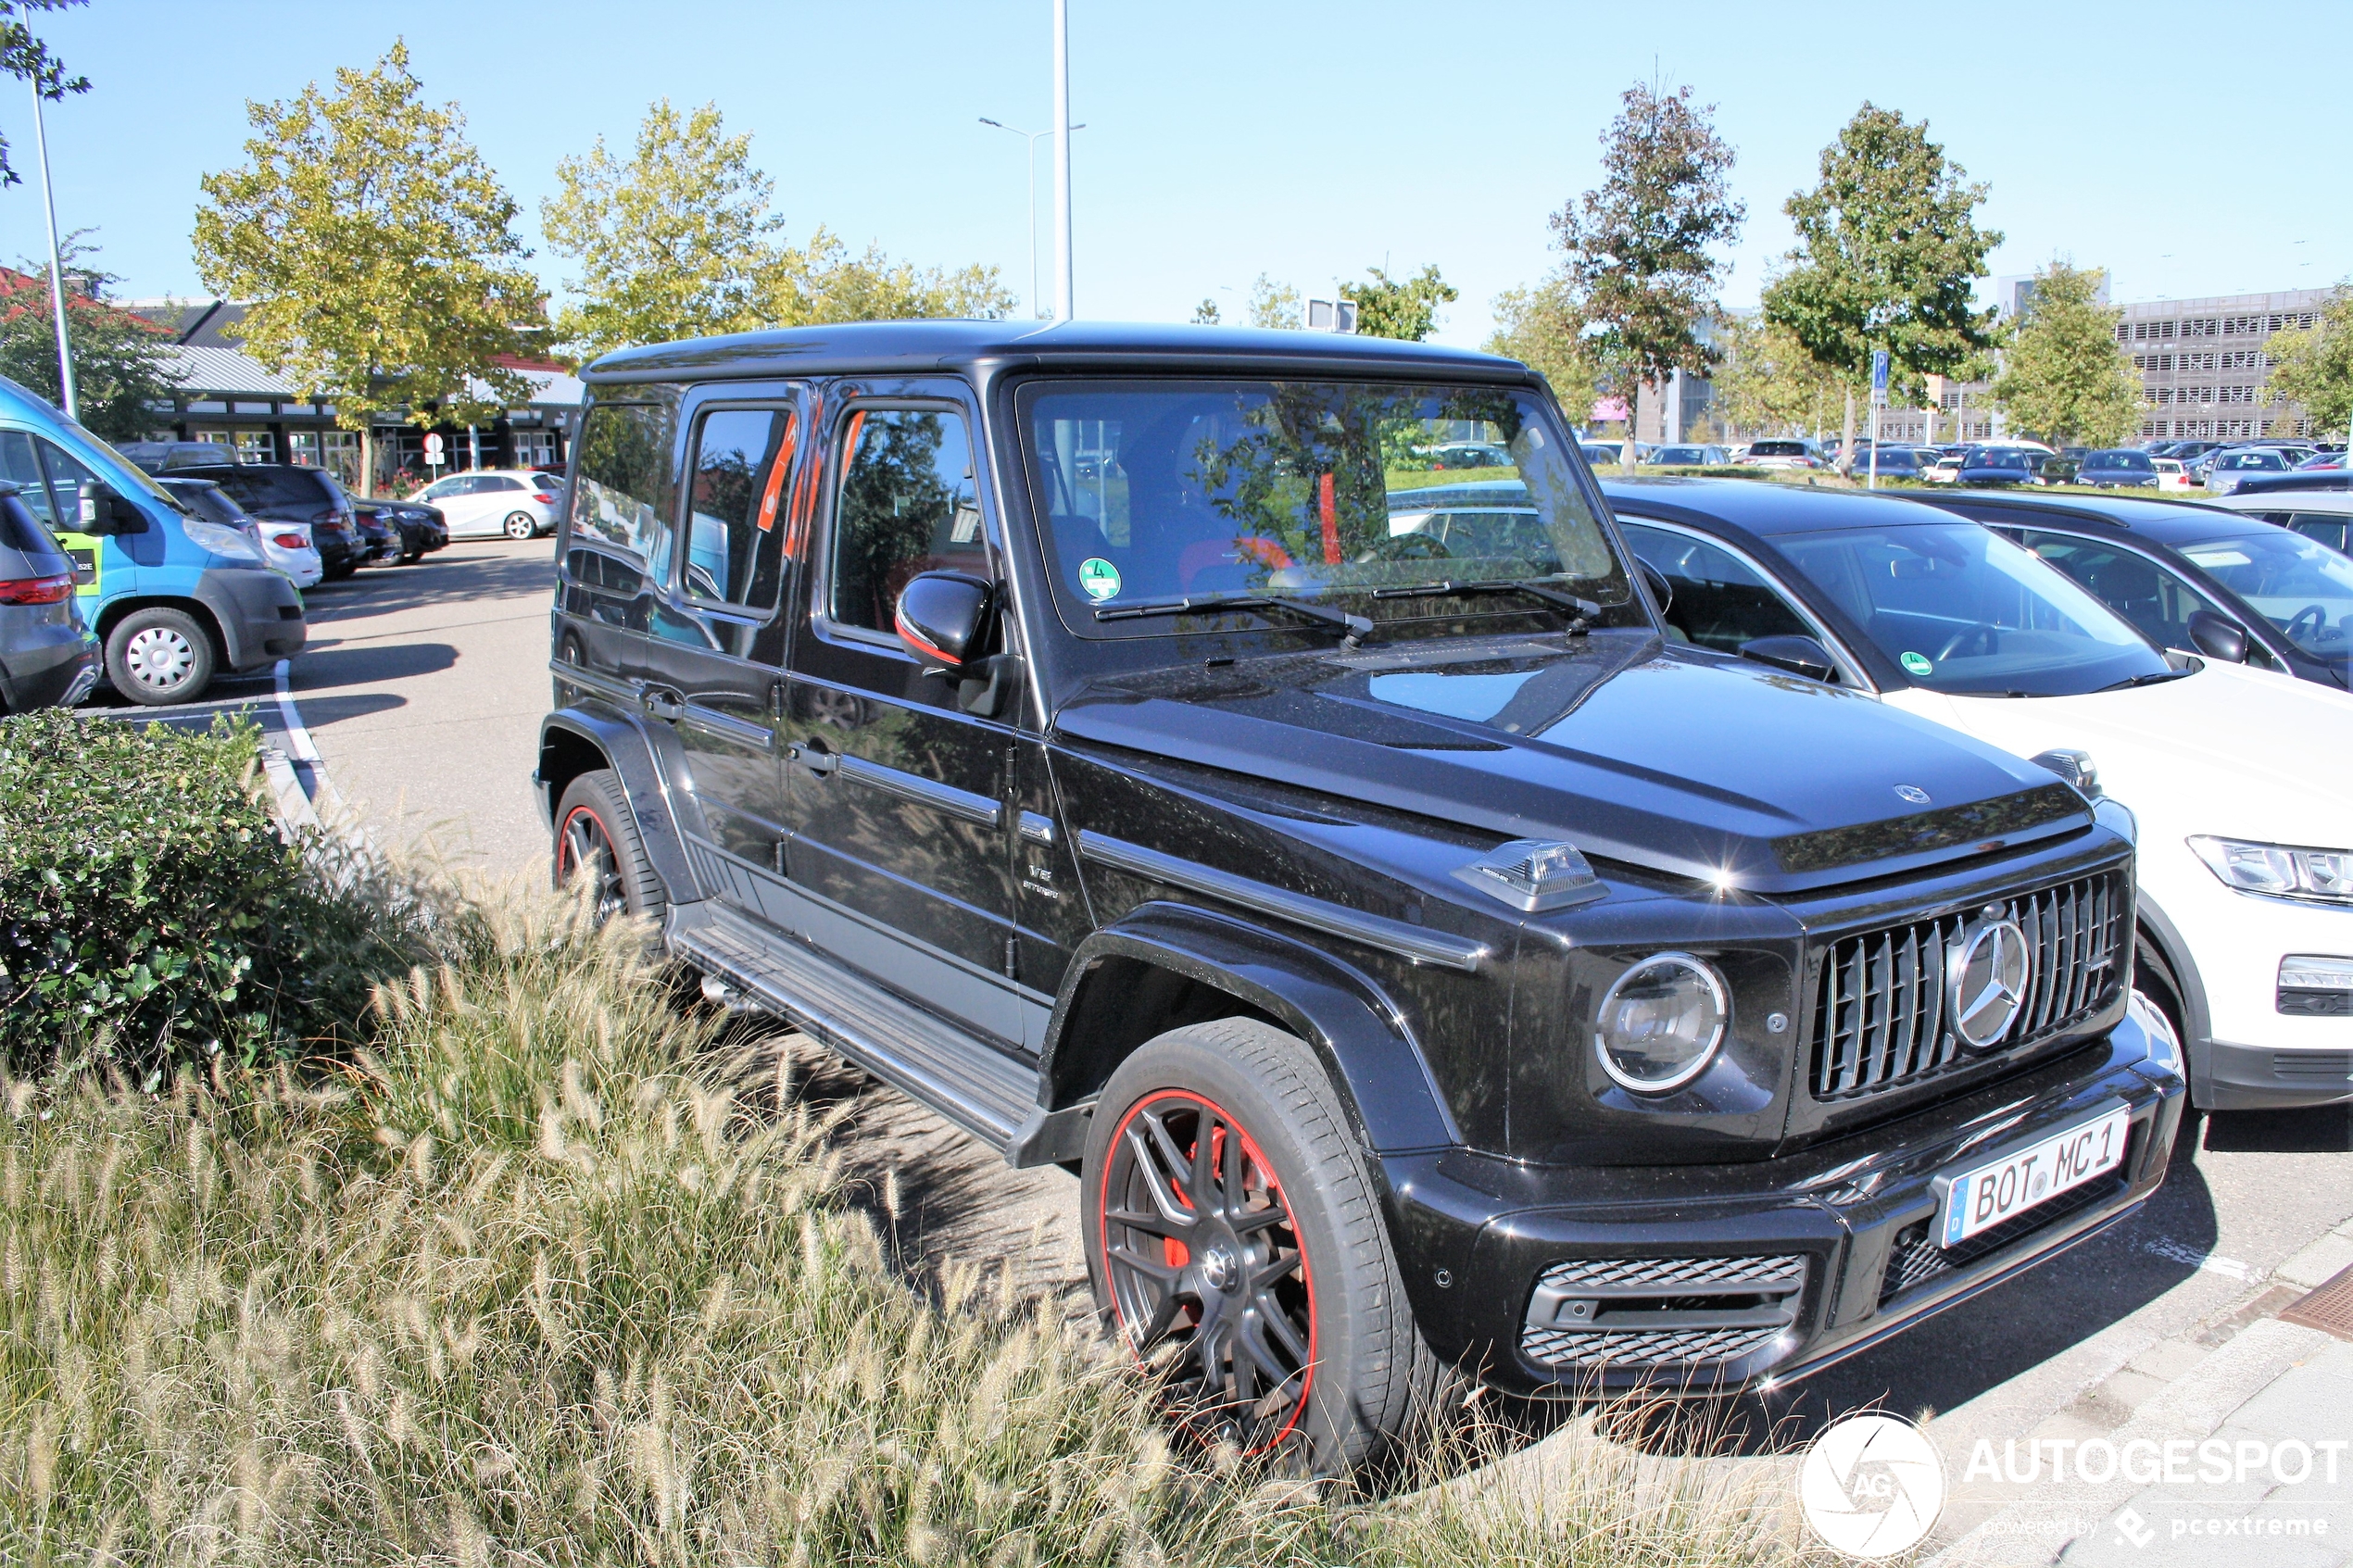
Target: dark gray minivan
(48, 655)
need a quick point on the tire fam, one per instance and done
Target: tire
(2154, 978)
(1336, 1374)
(522, 525)
(158, 657)
(595, 825)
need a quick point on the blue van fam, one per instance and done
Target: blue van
(174, 599)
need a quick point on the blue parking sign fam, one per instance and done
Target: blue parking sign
(1878, 369)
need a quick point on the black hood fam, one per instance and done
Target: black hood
(1635, 750)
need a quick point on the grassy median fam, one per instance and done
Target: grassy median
(541, 1274)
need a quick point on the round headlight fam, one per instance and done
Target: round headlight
(1661, 1022)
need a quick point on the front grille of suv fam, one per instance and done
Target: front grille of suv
(1881, 1018)
(1595, 1313)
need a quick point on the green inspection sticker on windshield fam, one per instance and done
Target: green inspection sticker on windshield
(1917, 664)
(1098, 577)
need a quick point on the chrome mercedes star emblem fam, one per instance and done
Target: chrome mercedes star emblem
(1912, 793)
(1988, 984)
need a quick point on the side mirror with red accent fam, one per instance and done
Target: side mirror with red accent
(943, 616)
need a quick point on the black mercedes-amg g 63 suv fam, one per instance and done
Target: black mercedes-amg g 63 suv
(1423, 962)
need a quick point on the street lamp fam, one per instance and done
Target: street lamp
(57, 266)
(1030, 156)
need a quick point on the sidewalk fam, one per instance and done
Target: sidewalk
(2232, 1455)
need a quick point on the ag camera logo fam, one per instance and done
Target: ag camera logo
(1872, 1486)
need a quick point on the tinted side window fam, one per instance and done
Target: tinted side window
(496, 482)
(622, 498)
(907, 505)
(19, 531)
(18, 467)
(735, 549)
(1720, 601)
(2154, 599)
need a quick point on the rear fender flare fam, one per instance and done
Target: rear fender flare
(1357, 1032)
(620, 745)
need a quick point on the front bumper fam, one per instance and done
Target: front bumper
(260, 614)
(2257, 1054)
(45, 666)
(1834, 1239)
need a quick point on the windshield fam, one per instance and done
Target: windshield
(1151, 492)
(2138, 462)
(1961, 609)
(141, 479)
(2298, 584)
(1998, 460)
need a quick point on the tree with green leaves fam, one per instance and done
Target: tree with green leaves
(1273, 304)
(822, 282)
(1888, 249)
(1206, 313)
(1641, 246)
(27, 59)
(2065, 377)
(1400, 307)
(1767, 385)
(121, 362)
(379, 252)
(1544, 329)
(669, 240)
(2314, 365)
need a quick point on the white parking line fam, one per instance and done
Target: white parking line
(2182, 1252)
(299, 742)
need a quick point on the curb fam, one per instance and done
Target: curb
(294, 806)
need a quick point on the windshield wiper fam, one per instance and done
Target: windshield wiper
(2155, 677)
(1581, 611)
(1353, 629)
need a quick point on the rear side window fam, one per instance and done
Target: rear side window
(257, 487)
(20, 467)
(20, 531)
(623, 499)
(208, 501)
(908, 505)
(735, 548)
(496, 482)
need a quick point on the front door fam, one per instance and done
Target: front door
(900, 800)
(713, 657)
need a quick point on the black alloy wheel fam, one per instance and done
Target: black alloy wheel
(583, 843)
(1208, 1279)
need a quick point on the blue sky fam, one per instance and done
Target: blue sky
(1304, 140)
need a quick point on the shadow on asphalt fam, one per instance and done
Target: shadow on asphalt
(2320, 1129)
(318, 670)
(529, 570)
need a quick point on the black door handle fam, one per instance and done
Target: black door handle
(665, 705)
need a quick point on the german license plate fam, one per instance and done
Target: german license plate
(1978, 1200)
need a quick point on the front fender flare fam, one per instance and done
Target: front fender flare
(1359, 1034)
(630, 755)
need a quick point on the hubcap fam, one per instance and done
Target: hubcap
(158, 657)
(1208, 1280)
(518, 526)
(582, 844)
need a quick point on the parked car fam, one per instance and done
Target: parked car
(418, 530)
(1945, 467)
(1468, 454)
(2058, 469)
(1986, 466)
(155, 457)
(48, 655)
(2322, 461)
(285, 545)
(174, 597)
(1782, 452)
(1941, 617)
(1893, 462)
(2172, 476)
(1375, 927)
(2223, 472)
(2193, 577)
(293, 493)
(1690, 456)
(518, 503)
(2119, 468)
(2317, 504)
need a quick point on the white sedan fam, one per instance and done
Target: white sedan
(518, 503)
(2242, 783)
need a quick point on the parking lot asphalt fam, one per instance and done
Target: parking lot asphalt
(422, 687)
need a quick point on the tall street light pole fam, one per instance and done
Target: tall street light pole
(1063, 309)
(56, 264)
(1031, 156)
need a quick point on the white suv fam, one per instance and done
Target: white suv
(518, 503)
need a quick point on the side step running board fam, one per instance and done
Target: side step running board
(978, 1087)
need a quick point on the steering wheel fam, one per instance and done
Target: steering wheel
(1983, 636)
(2317, 614)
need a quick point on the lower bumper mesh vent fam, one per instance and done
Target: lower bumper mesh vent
(1656, 1312)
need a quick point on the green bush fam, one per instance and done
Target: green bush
(150, 913)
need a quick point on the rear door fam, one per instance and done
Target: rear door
(899, 801)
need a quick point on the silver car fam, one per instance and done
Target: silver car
(48, 655)
(286, 545)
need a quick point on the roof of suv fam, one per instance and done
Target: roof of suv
(906, 346)
(2166, 522)
(1764, 508)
